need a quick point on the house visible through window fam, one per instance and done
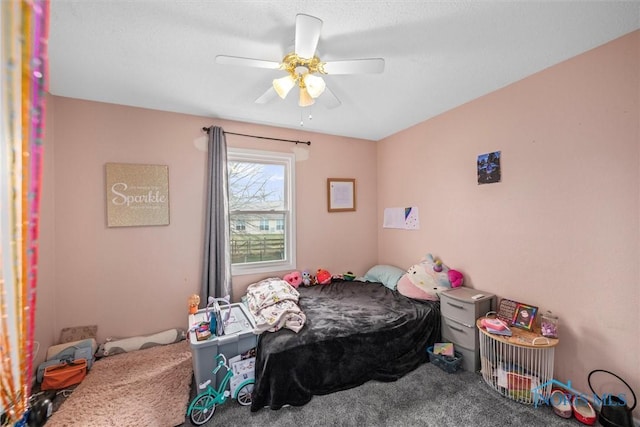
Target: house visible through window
(261, 209)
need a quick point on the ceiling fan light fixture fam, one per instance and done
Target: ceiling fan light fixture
(315, 85)
(283, 85)
(305, 99)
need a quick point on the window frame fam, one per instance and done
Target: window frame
(288, 161)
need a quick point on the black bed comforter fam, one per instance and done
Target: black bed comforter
(354, 332)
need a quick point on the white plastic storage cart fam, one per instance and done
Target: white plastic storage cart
(237, 339)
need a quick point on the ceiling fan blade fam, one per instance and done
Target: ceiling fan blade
(246, 62)
(307, 35)
(329, 99)
(267, 97)
(354, 66)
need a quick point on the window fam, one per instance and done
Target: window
(261, 208)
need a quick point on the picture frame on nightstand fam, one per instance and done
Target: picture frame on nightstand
(524, 316)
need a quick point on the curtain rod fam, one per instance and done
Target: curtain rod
(262, 137)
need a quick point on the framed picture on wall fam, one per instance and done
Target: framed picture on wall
(341, 194)
(488, 168)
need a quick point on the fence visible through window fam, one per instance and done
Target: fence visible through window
(255, 248)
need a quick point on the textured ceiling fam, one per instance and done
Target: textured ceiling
(161, 54)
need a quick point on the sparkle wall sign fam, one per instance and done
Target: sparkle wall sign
(137, 195)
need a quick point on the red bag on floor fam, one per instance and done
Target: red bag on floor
(63, 375)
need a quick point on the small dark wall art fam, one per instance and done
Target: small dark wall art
(489, 168)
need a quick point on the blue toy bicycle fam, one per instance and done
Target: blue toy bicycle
(204, 405)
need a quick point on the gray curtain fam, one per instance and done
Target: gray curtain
(216, 266)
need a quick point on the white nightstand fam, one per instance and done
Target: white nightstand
(460, 307)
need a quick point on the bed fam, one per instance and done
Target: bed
(354, 332)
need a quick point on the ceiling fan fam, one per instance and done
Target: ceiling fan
(304, 68)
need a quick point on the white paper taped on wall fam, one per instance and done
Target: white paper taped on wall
(403, 218)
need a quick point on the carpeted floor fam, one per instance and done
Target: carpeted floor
(427, 396)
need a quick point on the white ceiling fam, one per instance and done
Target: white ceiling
(439, 54)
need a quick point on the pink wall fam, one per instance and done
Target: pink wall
(136, 280)
(561, 231)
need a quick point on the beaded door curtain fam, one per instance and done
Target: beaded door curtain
(23, 45)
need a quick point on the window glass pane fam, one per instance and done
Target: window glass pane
(256, 186)
(260, 240)
(262, 211)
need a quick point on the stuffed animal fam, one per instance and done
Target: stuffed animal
(456, 278)
(193, 302)
(424, 281)
(294, 278)
(348, 276)
(307, 278)
(323, 277)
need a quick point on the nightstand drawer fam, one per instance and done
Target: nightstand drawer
(459, 334)
(459, 311)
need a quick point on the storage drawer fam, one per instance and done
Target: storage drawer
(459, 334)
(465, 305)
(459, 311)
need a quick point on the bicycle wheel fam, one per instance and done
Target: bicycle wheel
(201, 410)
(244, 394)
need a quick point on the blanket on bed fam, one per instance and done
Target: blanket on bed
(143, 388)
(354, 332)
(274, 305)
